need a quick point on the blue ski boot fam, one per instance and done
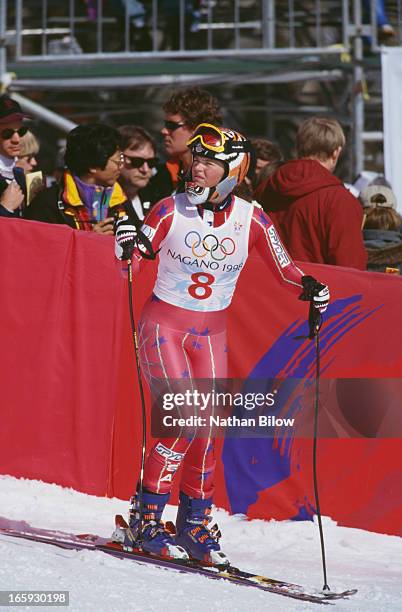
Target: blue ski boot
(151, 536)
(193, 534)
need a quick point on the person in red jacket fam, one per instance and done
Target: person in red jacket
(318, 219)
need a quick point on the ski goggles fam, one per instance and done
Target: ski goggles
(8, 133)
(211, 137)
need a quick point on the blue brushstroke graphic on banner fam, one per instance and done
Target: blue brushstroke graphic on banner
(252, 465)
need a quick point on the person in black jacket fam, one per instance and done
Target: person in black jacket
(11, 132)
(88, 196)
(140, 161)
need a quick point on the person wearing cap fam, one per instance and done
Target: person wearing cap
(11, 132)
(203, 237)
(381, 228)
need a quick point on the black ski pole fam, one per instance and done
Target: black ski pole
(143, 410)
(315, 322)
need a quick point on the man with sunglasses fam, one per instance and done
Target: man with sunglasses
(11, 132)
(203, 237)
(184, 110)
(140, 161)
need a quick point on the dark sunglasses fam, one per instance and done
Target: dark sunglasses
(173, 125)
(9, 132)
(137, 162)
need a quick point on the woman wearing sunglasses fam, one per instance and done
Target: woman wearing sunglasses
(29, 149)
(140, 161)
(204, 237)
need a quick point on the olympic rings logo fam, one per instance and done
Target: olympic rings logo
(200, 247)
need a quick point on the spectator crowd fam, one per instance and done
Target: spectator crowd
(111, 172)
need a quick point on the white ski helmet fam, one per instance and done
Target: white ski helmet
(224, 145)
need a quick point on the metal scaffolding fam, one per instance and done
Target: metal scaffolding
(48, 45)
(159, 29)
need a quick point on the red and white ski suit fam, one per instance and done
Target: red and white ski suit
(182, 331)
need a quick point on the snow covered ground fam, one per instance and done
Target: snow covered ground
(290, 551)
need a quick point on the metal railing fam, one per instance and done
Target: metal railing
(175, 28)
(118, 29)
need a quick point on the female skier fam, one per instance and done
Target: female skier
(203, 237)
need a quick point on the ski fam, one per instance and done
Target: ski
(21, 529)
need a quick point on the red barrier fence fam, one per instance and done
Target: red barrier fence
(70, 407)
